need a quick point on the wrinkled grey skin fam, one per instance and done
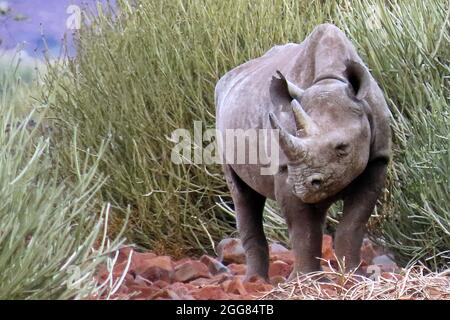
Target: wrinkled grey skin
(337, 148)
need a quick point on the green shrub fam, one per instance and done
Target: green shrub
(48, 227)
(149, 73)
(407, 47)
(149, 69)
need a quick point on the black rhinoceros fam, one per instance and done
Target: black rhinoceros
(334, 138)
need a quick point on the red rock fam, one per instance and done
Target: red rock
(276, 280)
(287, 256)
(326, 268)
(218, 279)
(327, 248)
(143, 258)
(157, 268)
(367, 252)
(328, 288)
(202, 282)
(121, 296)
(175, 291)
(177, 286)
(141, 281)
(182, 290)
(279, 252)
(214, 266)
(181, 261)
(385, 262)
(129, 280)
(221, 277)
(230, 250)
(191, 270)
(234, 286)
(280, 268)
(119, 268)
(233, 296)
(123, 289)
(381, 264)
(160, 284)
(102, 274)
(212, 292)
(276, 248)
(254, 278)
(136, 257)
(165, 294)
(116, 273)
(142, 292)
(257, 287)
(237, 269)
(124, 253)
(392, 276)
(145, 255)
(187, 296)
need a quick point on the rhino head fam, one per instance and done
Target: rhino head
(332, 142)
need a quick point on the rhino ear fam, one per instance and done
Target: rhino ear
(359, 78)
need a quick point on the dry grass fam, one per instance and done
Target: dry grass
(150, 68)
(415, 283)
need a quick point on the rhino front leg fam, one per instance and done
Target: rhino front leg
(249, 205)
(305, 225)
(359, 201)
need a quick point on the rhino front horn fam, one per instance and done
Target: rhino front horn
(305, 125)
(291, 145)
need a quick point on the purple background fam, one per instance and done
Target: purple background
(46, 16)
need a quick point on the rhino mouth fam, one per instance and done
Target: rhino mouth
(312, 197)
(309, 195)
(311, 186)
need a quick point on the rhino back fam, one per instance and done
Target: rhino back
(245, 95)
(242, 95)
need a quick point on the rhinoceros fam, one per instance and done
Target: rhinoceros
(334, 140)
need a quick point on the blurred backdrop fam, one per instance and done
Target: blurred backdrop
(24, 24)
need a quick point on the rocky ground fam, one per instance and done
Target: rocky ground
(146, 275)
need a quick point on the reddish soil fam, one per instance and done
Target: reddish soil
(160, 277)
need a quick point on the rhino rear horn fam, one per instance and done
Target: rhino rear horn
(359, 78)
(294, 91)
(291, 145)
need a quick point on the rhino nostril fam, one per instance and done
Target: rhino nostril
(316, 183)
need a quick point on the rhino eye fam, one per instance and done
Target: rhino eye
(342, 149)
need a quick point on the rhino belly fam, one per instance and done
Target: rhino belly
(250, 174)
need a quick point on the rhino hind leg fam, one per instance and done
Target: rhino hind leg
(249, 206)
